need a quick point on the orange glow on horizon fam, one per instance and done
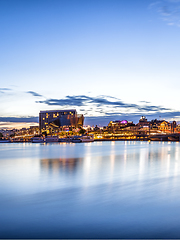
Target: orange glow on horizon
(17, 125)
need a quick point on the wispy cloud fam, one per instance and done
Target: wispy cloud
(144, 102)
(169, 11)
(154, 4)
(3, 90)
(100, 109)
(102, 104)
(35, 94)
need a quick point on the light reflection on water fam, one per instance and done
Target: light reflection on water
(91, 190)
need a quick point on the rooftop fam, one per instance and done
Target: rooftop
(69, 110)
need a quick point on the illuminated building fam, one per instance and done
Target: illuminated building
(165, 126)
(178, 128)
(173, 126)
(55, 119)
(143, 122)
(120, 124)
(154, 124)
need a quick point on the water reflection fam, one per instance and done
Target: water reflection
(96, 190)
(150, 160)
(57, 165)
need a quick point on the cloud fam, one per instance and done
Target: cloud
(152, 5)
(101, 109)
(144, 102)
(174, 1)
(35, 94)
(104, 120)
(19, 119)
(100, 101)
(2, 90)
(5, 89)
(169, 11)
(165, 11)
(67, 101)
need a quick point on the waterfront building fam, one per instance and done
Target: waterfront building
(55, 119)
(143, 122)
(173, 126)
(154, 124)
(33, 130)
(117, 125)
(165, 126)
(178, 128)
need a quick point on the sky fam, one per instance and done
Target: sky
(108, 59)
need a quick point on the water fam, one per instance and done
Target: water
(90, 190)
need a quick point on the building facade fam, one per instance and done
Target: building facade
(118, 125)
(165, 126)
(143, 122)
(55, 119)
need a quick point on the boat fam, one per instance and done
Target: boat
(173, 138)
(159, 138)
(5, 140)
(37, 140)
(51, 139)
(87, 138)
(76, 139)
(84, 138)
(66, 139)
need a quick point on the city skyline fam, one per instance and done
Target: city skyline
(107, 59)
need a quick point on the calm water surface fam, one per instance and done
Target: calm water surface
(90, 190)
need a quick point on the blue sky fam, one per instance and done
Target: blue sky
(108, 59)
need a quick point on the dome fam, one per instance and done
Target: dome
(124, 122)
